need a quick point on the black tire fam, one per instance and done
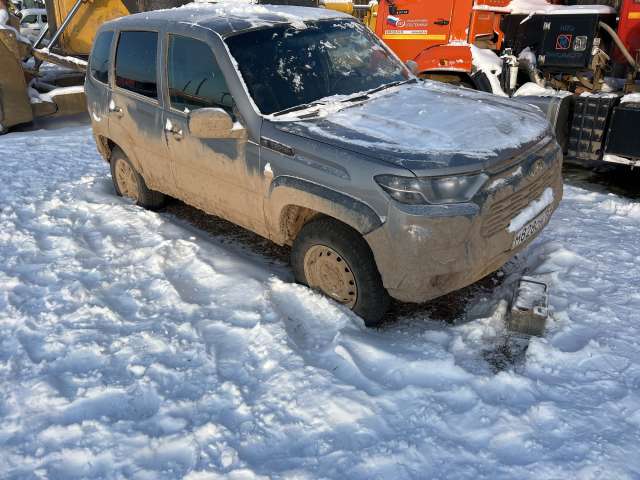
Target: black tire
(372, 299)
(147, 198)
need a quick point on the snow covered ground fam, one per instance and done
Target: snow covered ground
(134, 345)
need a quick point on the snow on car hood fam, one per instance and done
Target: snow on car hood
(426, 125)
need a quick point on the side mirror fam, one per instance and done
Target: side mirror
(211, 123)
(412, 66)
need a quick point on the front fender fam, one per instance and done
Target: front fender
(445, 58)
(288, 191)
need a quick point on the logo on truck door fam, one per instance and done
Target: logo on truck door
(395, 21)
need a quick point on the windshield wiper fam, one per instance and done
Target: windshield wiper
(298, 107)
(365, 95)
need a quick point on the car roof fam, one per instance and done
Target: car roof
(228, 17)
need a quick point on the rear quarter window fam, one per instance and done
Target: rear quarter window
(136, 60)
(100, 57)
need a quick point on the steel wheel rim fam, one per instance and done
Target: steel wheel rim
(127, 183)
(326, 270)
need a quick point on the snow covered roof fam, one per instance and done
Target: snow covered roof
(227, 17)
(533, 7)
(543, 6)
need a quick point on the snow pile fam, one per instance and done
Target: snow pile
(599, 94)
(434, 119)
(19, 36)
(485, 60)
(533, 89)
(542, 6)
(38, 97)
(528, 56)
(502, 182)
(611, 158)
(257, 15)
(631, 98)
(134, 346)
(531, 211)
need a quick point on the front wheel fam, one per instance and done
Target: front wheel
(333, 258)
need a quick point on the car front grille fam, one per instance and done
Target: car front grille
(503, 211)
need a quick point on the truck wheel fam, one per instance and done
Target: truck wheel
(334, 259)
(130, 184)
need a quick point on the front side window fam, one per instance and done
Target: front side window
(100, 57)
(195, 79)
(287, 66)
(136, 60)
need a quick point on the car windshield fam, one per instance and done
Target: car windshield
(287, 66)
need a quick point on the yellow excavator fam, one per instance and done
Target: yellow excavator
(28, 91)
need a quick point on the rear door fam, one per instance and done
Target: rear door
(98, 81)
(135, 109)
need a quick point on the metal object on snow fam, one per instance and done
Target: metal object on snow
(529, 308)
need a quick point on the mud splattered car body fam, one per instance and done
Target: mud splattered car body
(433, 178)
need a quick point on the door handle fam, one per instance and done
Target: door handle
(441, 21)
(177, 133)
(116, 110)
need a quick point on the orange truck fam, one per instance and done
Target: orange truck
(438, 35)
(577, 62)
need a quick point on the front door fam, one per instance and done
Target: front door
(220, 176)
(409, 26)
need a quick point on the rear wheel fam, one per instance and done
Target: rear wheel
(130, 184)
(334, 259)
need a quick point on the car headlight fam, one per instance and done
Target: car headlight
(432, 190)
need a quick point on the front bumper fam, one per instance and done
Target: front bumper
(424, 252)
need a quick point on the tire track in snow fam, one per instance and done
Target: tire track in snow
(132, 346)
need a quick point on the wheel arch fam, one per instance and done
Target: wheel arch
(106, 146)
(449, 76)
(293, 202)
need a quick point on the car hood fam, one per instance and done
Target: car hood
(425, 126)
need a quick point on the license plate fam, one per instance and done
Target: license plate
(531, 228)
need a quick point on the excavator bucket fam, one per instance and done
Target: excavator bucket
(72, 26)
(15, 105)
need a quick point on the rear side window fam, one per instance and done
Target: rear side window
(99, 63)
(195, 79)
(136, 60)
(44, 18)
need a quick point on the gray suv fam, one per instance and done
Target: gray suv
(300, 125)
